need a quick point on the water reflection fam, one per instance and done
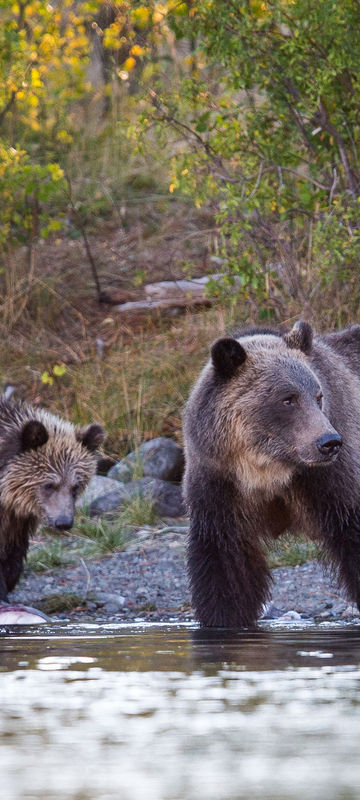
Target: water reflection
(175, 713)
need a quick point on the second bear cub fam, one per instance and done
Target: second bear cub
(45, 463)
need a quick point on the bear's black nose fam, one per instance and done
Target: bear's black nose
(64, 522)
(329, 444)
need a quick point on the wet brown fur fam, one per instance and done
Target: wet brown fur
(37, 450)
(253, 470)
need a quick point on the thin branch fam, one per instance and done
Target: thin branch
(333, 131)
(8, 106)
(82, 230)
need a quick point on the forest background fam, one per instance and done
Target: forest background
(150, 141)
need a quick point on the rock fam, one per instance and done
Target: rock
(158, 458)
(99, 486)
(108, 502)
(291, 615)
(167, 497)
(105, 598)
(121, 471)
(271, 612)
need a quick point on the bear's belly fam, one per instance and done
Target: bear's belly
(278, 517)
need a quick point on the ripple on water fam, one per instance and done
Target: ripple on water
(178, 713)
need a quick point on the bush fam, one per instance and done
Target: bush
(269, 122)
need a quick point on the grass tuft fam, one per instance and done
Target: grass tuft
(139, 510)
(49, 555)
(291, 551)
(91, 538)
(56, 603)
(103, 537)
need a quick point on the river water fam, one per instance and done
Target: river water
(171, 712)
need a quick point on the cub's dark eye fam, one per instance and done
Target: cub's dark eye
(291, 400)
(75, 489)
(319, 399)
(51, 487)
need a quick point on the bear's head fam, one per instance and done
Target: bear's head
(260, 408)
(52, 464)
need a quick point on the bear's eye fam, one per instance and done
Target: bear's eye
(51, 487)
(75, 489)
(319, 398)
(291, 400)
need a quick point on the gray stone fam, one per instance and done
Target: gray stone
(167, 497)
(121, 471)
(158, 458)
(108, 502)
(97, 487)
(106, 598)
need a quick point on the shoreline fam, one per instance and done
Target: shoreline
(147, 581)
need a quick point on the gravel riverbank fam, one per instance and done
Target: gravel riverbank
(147, 580)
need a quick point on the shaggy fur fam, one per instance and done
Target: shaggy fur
(45, 463)
(264, 427)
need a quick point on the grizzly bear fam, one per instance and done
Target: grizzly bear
(272, 442)
(45, 463)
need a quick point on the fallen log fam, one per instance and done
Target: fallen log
(172, 294)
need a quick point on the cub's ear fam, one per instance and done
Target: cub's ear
(300, 337)
(33, 435)
(227, 355)
(91, 437)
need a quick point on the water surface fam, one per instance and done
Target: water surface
(176, 713)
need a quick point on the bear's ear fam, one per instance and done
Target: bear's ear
(227, 355)
(33, 435)
(91, 437)
(300, 337)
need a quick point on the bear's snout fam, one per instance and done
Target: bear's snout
(63, 522)
(329, 444)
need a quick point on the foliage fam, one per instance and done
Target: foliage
(269, 121)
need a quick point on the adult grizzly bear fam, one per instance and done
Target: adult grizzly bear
(45, 463)
(272, 432)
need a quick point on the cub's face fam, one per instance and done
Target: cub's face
(53, 466)
(271, 403)
(55, 498)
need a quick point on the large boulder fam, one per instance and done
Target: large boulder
(99, 486)
(158, 458)
(166, 496)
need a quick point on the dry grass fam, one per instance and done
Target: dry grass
(137, 390)
(292, 551)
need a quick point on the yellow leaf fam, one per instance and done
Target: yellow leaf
(141, 16)
(129, 64)
(172, 187)
(136, 50)
(33, 100)
(35, 78)
(65, 137)
(46, 378)
(59, 370)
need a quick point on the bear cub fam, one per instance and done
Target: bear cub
(45, 463)
(272, 442)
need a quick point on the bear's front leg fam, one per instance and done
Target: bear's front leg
(343, 547)
(11, 567)
(3, 587)
(229, 576)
